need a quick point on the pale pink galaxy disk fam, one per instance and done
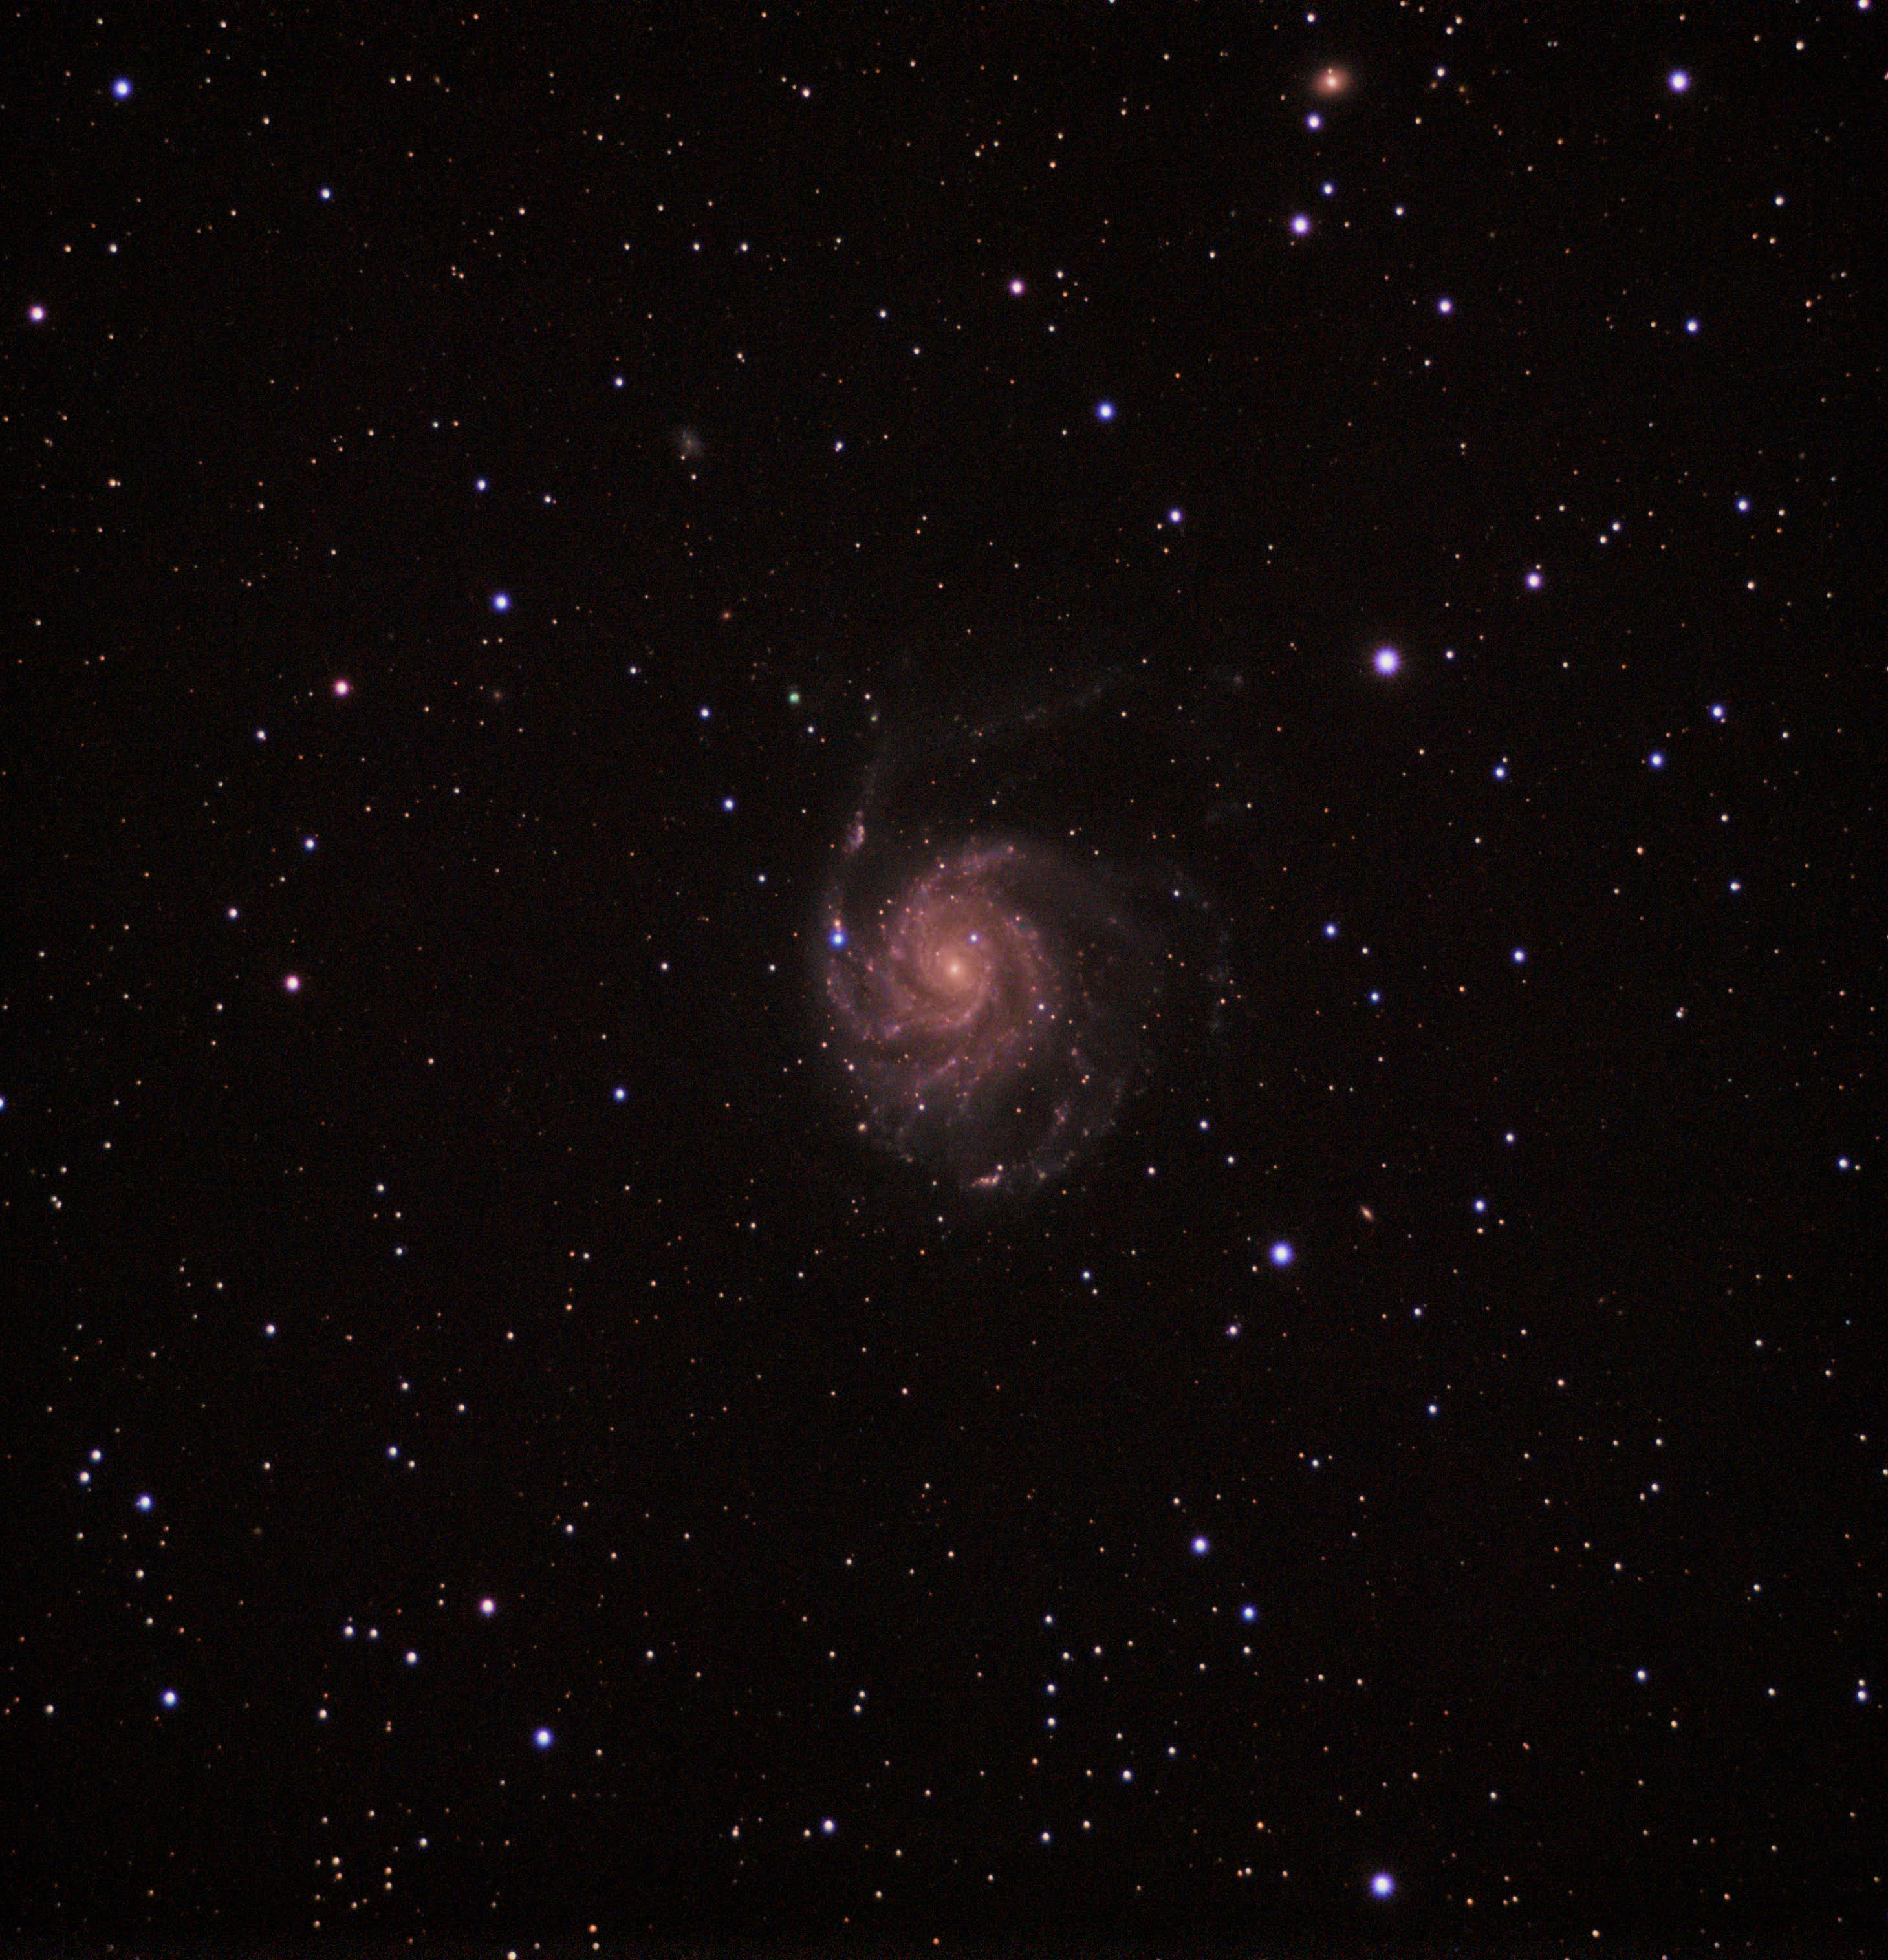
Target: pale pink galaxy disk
(984, 1004)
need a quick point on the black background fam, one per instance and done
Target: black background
(521, 1252)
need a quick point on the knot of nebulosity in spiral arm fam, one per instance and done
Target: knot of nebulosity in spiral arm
(985, 1006)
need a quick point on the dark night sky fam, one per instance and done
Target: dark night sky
(942, 979)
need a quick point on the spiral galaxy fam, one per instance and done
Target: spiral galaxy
(984, 1003)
